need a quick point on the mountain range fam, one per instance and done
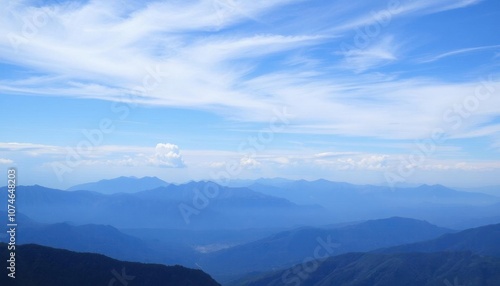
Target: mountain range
(266, 203)
(174, 206)
(121, 185)
(290, 247)
(269, 231)
(482, 240)
(376, 269)
(471, 256)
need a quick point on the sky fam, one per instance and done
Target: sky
(369, 92)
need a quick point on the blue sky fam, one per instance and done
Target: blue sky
(397, 91)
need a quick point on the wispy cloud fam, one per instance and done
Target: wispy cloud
(183, 55)
(390, 10)
(382, 52)
(458, 52)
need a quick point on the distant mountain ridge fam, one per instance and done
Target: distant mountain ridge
(470, 257)
(121, 185)
(289, 247)
(350, 202)
(161, 207)
(279, 203)
(484, 240)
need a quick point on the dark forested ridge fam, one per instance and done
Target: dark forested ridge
(372, 269)
(469, 258)
(44, 266)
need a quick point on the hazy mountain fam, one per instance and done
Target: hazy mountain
(287, 203)
(44, 266)
(469, 257)
(174, 206)
(337, 194)
(289, 247)
(106, 240)
(490, 190)
(483, 240)
(21, 219)
(348, 202)
(477, 222)
(371, 269)
(206, 240)
(121, 185)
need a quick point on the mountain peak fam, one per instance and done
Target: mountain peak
(121, 185)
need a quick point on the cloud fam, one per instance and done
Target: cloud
(332, 154)
(458, 52)
(396, 9)
(5, 161)
(365, 162)
(217, 165)
(382, 52)
(250, 163)
(187, 54)
(167, 155)
(162, 155)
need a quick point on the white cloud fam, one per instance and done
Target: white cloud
(458, 52)
(396, 9)
(103, 49)
(217, 165)
(5, 161)
(167, 155)
(360, 162)
(332, 154)
(250, 163)
(379, 53)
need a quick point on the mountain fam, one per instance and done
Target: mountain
(347, 202)
(375, 269)
(195, 205)
(490, 190)
(290, 247)
(44, 266)
(337, 194)
(121, 185)
(481, 240)
(204, 240)
(206, 205)
(105, 240)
